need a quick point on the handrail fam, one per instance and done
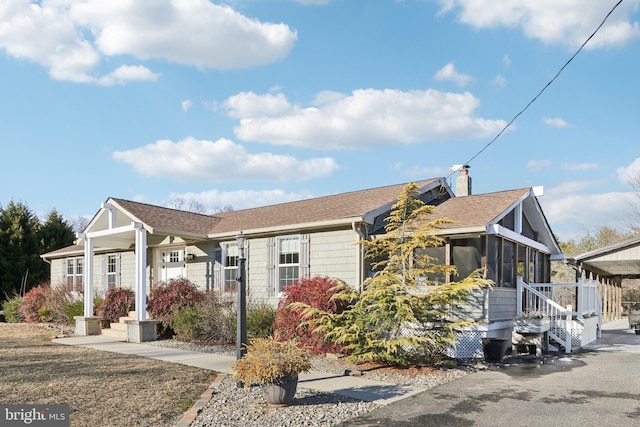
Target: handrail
(562, 317)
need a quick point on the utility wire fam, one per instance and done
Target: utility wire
(544, 88)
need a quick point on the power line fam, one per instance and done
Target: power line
(543, 89)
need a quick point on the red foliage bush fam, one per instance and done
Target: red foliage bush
(167, 298)
(33, 307)
(117, 303)
(315, 292)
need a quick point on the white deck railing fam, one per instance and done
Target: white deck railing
(556, 301)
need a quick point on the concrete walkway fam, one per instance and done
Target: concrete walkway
(355, 387)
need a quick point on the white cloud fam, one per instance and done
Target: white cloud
(566, 188)
(630, 174)
(506, 60)
(127, 73)
(568, 214)
(449, 73)
(556, 122)
(308, 2)
(536, 165)
(499, 81)
(71, 38)
(580, 166)
(219, 161)
(240, 199)
(186, 105)
(365, 118)
(417, 171)
(248, 104)
(567, 22)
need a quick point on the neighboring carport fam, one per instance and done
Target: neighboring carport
(610, 266)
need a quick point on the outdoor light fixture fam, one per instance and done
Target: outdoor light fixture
(241, 335)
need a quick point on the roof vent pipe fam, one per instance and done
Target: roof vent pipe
(463, 182)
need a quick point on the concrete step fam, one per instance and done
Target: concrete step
(132, 316)
(120, 326)
(115, 334)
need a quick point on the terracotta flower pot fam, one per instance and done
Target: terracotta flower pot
(280, 393)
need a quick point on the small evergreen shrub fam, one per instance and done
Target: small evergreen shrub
(10, 309)
(33, 304)
(260, 319)
(73, 309)
(117, 303)
(167, 299)
(209, 321)
(316, 292)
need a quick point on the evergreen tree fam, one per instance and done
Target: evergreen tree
(20, 260)
(55, 233)
(394, 319)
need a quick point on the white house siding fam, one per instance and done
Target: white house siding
(58, 272)
(200, 269)
(502, 304)
(335, 254)
(256, 254)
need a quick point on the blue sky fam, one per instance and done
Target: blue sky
(252, 102)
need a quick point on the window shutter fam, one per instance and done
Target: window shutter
(272, 260)
(246, 268)
(217, 270)
(304, 256)
(105, 281)
(118, 259)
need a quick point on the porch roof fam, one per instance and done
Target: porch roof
(476, 214)
(477, 210)
(620, 260)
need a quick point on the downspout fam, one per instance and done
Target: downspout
(359, 256)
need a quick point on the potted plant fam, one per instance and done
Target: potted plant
(533, 322)
(275, 365)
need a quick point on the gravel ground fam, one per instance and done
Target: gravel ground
(231, 406)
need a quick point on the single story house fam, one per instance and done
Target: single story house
(137, 245)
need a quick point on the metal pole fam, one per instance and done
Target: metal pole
(241, 333)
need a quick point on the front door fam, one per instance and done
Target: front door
(170, 264)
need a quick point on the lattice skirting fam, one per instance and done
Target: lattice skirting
(468, 345)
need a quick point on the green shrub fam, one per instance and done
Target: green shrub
(208, 321)
(74, 309)
(117, 303)
(260, 318)
(10, 309)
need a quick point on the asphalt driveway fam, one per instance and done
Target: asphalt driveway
(598, 386)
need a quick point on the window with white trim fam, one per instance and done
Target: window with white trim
(113, 271)
(230, 267)
(74, 273)
(288, 261)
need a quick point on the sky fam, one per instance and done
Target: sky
(246, 103)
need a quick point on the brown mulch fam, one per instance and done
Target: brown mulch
(101, 388)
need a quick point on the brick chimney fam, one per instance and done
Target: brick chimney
(463, 182)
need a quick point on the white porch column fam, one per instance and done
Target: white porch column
(141, 269)
(88, 277)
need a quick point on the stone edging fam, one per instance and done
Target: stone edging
(190, 416)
